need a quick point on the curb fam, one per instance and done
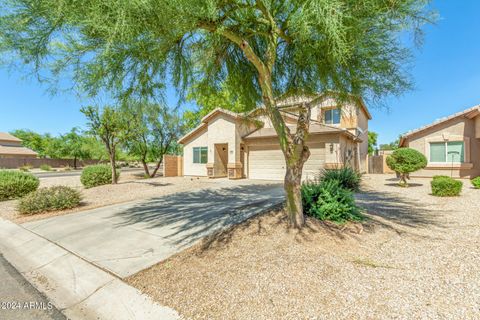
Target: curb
(77, 288)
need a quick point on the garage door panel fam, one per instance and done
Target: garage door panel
(267, 161)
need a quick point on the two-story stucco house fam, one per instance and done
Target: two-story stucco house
(11, 147)
(451, 145)
(225, 144)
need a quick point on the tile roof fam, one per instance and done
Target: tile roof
(8, 137)
(473, 110)
(17, 151)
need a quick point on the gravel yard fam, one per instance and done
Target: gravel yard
(131, 186)
(415, 257)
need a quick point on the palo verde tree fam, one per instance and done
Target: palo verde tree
(154, 129)
(264, 48)
(111, 126)
(73, 145)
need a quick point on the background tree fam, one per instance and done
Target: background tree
(74, 146)
(372, 142)
(264, 48)
(155, 128)
(111, 126)
(390, 146)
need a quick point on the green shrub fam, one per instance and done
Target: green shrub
(45, 167)
(327, 200)
(443, 186)
(49, 199)
(16, 184)
(25, 168)
(404, 161)
(97, 175)
(347, 177)
(476, 182)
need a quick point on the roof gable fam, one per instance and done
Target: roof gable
(468, 113)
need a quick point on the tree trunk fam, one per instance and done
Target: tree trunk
(157, 167)
(292, 186)
(112, 164)
(145, 168)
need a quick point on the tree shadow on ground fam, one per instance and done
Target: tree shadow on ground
(183, 218)
(382, 210)
(410, 185)
(395, 212)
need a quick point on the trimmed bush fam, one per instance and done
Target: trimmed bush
(443, 186)
(476, 182)
(404, 161)
(97, 175)
(45, 167)
(347, 177)
(327, 200)
(49, 199)
(16, 184)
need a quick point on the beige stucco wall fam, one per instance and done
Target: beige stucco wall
(194, 169)
(457, 129)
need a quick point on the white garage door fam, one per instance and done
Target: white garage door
(266, 162)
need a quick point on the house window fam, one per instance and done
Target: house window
(447, 152)
(332, 116)
(200, 154)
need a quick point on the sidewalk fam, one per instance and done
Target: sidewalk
(77, 288)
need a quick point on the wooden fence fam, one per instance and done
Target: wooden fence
(172, 166)
(14, 163)
(378, 164)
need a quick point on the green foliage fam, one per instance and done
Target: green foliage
(347, 177)
(49, 199)
(112, 126)
(405, 161)
(372, 142)
(15, 184)
(154, 131)
(476, 182)
(390, 146)
(45, 167)
(134, 47)
(209, 98)
(444, 186)
(328, 200)
(97, 175)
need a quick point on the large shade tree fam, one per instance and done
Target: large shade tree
(264, 48)
(153, 130)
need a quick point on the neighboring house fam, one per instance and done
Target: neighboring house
(11, 147)
(228, 144)
(451, 145)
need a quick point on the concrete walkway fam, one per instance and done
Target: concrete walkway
(74, 286)
(124, 239)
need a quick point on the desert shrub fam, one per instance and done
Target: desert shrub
(49, 199)
(404, 161)
(16, 184)
(476, 182)
(45, 167)
(443, 186)
(347, 177)
(25, 168)
(328, 200)
(97, 175)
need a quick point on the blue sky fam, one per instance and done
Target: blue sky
(446, 73)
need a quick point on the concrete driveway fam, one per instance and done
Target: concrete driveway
(127, 238)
